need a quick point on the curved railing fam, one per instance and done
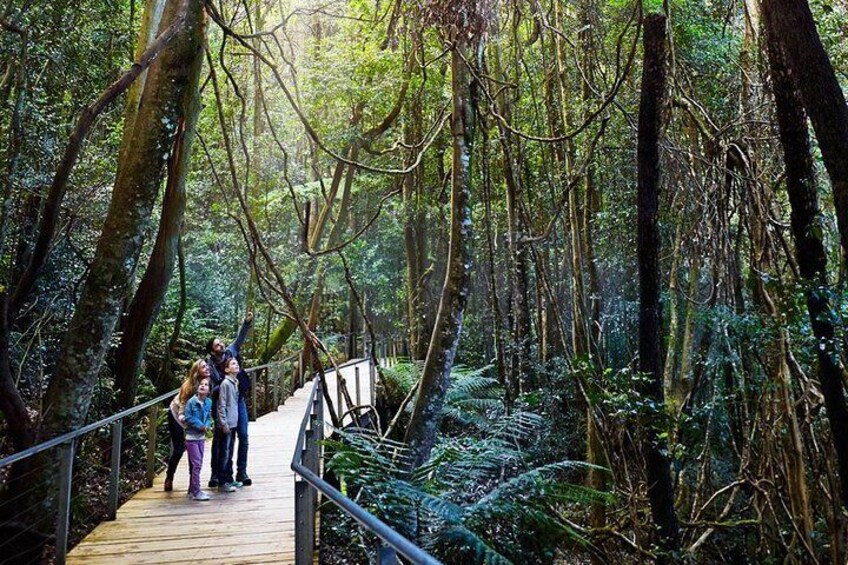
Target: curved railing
(306, 463)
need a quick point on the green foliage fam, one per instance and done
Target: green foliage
(480, 498)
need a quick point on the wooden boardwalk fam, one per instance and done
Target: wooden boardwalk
(252, 525)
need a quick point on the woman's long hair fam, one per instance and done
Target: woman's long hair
(193, 379)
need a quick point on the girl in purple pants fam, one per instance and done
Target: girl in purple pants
(198, 419)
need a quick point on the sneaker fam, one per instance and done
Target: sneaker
(213, 482)
(227, 487)
(202, 495)
(169, 484)
(245, 480)
(237, 484)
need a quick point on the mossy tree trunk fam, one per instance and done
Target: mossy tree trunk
(421, 432)
(147, 140)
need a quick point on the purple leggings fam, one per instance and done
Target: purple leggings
(195, 458)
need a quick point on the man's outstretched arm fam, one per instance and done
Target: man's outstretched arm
(242, 335)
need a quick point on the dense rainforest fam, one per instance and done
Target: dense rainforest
(608, 239)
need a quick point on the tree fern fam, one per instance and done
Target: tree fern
(479, 498)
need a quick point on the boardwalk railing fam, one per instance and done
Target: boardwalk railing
(67, 445)
(306, 463)
(271, 378)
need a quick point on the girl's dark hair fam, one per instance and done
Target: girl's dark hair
(209, 345)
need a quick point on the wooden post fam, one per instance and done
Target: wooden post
(300, 370)
(115, 469)
(66, 472)
(153, 416)
(274, 381)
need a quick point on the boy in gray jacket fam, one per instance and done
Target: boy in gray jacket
(227, 424)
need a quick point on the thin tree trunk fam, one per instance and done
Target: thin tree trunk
(415, 251)
(165, 380)
(521, 347)
(660, 488)
(421, 432)
(494, 305)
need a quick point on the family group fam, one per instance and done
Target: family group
(216, 387)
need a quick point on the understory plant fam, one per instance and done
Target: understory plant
(483, 496)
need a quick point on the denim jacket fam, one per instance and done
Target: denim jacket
(197, 415)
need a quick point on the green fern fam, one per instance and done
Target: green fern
(479, 498)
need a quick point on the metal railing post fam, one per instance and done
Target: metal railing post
(66, 472)
(304, 498)
(372, 384)
(115, 469)
(319, 412)
(302, 551)
(339, 409)
(386, 555)
(358, 393)
(153, 417)
(300, 369)
(274, 380)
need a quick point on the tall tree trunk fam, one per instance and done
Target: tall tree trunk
(421, 432)
(171, 81)
(814, 77)
(660, 488)
(151, 291)
(521, 346)
(165, 380)
(415, 242)
(592, 204)
(791, 27)
(806, 222)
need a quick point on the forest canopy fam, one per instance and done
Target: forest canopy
(607, 238)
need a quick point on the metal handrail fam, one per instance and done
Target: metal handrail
(370, 522)
(67, 443)
(64, 438)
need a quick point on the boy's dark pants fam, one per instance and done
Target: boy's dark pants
(224, 462)
(241, 459)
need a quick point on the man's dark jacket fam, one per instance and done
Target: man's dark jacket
(216, 366)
